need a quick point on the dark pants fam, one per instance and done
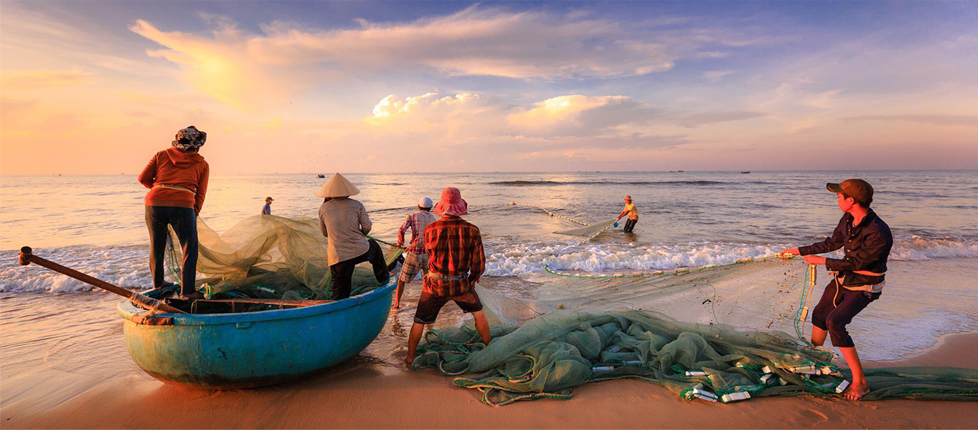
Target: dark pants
(630, 225)
(342, 273)
(833, 317)
(429, 305)
(184, 222)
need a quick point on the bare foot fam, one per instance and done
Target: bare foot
(409, 361)
(196, 295)
(395, 305)
(856, 392)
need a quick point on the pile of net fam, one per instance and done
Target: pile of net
(267, 256)
(718, 333)
(548, 355)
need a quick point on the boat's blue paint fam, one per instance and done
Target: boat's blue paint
(251, 349)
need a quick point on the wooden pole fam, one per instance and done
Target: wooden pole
(145, 302)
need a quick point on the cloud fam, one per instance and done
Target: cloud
(223, 68)
(284, 59)
(968, 120)
(705, 118)
(42, 79)
(468, 116)
(577, 115)
(478, 41)
(824, 100)
(716, 75)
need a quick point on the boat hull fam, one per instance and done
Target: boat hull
(244, 350)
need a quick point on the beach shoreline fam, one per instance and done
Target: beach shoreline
(367, 394)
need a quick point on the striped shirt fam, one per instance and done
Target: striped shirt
(345, 222)
(454, 249)
(416, 222)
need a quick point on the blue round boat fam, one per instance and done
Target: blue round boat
(243, 350)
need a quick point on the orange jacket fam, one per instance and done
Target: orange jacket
(176, 168)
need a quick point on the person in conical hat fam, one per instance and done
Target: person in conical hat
(456, 261)
(337, 186)
(345, 222)
(415, 257)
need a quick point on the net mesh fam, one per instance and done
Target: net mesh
(267, 256)
(549, 355)
(719, 333)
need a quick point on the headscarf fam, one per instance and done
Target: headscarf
(189, 139)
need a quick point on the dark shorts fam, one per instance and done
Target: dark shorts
(837, 308)
(429, 305)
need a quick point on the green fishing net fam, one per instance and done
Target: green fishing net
(549, 355)
(267, 256)
(720, 333)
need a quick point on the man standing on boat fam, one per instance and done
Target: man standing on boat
(177, 178)
(632, 213)
(415, 257)
(456, 261)
(345, 222)
(858, 276)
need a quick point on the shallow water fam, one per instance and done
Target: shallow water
(95, 224)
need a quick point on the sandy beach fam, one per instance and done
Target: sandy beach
(690, 193)
(364, 393)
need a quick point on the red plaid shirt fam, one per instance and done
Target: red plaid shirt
(454, 248)
(416, 222)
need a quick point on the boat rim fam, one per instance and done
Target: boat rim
(128, 310)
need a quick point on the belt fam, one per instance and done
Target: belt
(175, 187)
(442, 277)
(869, 288)
(867, 273)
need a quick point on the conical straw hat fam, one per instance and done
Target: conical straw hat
(337, 186)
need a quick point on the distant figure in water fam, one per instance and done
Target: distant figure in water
(456, 262)
(267, 209)
(632, 213)
(858, 276)
(415, 257)
(177, 179)
(346, 223)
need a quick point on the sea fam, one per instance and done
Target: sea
(96, 224)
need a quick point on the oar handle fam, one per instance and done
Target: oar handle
(27, 257)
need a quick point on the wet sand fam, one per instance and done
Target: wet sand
(371, 394)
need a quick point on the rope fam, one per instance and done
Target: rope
(552, 215)
(384, 242)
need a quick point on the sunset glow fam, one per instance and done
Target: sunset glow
(97, 87)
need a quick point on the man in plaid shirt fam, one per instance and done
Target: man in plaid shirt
(456, 261)
(415, 257)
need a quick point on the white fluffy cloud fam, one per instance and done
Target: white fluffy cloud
(467, 116)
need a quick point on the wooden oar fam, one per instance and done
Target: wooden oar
(145, 302)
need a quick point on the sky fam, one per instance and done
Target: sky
(400, 86)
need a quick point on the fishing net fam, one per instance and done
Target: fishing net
(587, 231)
(719, 333)
(550, 354)
(267, 256)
